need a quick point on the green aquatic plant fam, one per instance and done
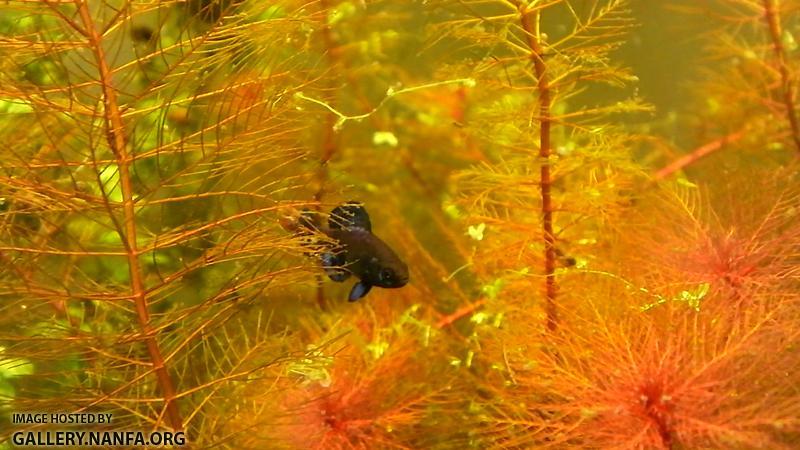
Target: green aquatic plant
(541, 140)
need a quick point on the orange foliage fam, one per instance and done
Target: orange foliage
(742, 252)
(360, 408)
(366, 392)
(666, 381)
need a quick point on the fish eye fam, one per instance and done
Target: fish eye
(386, 274)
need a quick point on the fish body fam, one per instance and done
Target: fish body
(357, 252)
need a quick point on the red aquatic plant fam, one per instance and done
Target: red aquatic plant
(668, 381)
(741, 251)
(363, 406)
(367, 388)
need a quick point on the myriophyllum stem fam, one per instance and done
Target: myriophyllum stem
(530, 24)
(115, 135)
(772, 16)
(696, 155)
(329, 141)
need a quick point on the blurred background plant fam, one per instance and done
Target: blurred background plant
(594, 263)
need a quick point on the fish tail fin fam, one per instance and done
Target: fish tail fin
(333, 264)
(304, 225)
(303, 222)
(308, 221)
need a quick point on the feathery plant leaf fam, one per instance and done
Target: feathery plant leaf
(538, 136)
(159, 160)
(144, 156)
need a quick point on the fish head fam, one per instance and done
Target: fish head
(371, 259)
(381, 266)
(389, 273)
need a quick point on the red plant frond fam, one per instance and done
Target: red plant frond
(367, 389)
(738, 251)
(666, 381)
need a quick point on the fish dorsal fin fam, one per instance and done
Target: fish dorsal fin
(349, 215)
(359, 290)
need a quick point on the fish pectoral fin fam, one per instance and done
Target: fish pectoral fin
(349, 215)
(332, 263)
(359, 290)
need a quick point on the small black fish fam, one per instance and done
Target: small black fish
(358, 252)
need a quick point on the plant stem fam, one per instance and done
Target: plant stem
(464, 311)
(329, 140)
(530, 24)
(115, 135)
(329, 144)
(696, 155)
(772, 16)
(664, 431)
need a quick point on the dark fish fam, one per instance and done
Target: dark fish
(358, 252)
(142, 33)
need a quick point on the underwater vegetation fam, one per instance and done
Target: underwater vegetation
(417, 224)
